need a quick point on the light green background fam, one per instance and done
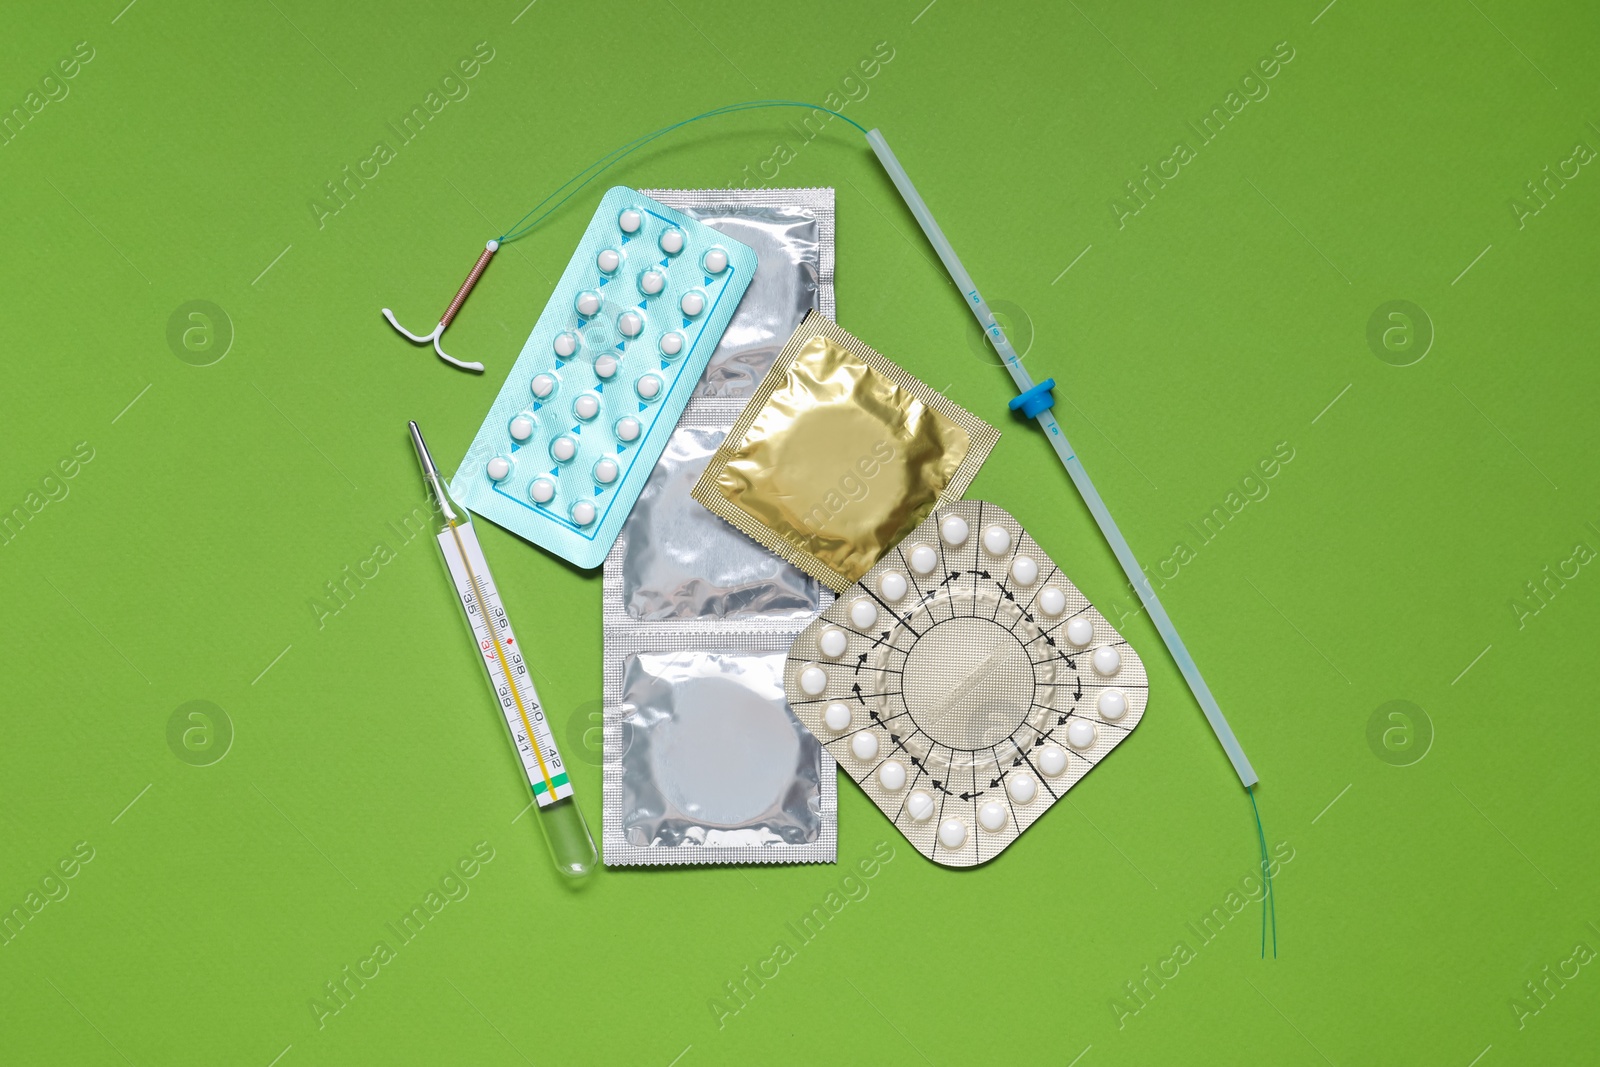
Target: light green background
(1222, 319)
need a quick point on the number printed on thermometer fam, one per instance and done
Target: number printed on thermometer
(508, 671)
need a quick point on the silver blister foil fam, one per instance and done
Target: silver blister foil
(679, 561)
(791, 231)
(714, 758)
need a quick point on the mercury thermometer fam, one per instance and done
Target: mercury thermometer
(565, 831)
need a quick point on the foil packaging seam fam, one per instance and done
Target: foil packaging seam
(982, 437)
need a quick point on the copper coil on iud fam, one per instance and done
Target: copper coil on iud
(489, 249)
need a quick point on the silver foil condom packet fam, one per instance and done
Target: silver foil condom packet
(704, 762)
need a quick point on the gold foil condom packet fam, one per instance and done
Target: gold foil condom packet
(839, 455)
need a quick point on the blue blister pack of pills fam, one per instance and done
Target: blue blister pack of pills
(579, 424)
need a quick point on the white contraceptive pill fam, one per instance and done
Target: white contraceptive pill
(1022, 787)
(617, 351)
(542, 490)
(605, 471)
(1080, 733)
(864, 745)
(1112, 704)
(497, 468)
(892, 775)
(837, 717)
(975, 677)
(716, 261)
(813, 680)
(919, 806)
(996, 540)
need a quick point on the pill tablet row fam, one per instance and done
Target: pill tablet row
(584, 414)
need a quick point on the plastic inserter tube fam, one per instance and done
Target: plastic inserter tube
(1034, 401)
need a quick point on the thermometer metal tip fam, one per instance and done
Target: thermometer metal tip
(430, 474)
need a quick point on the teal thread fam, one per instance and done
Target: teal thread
(616, 155)
(1269, 900)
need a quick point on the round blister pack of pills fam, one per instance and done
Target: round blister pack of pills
(965, 683)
